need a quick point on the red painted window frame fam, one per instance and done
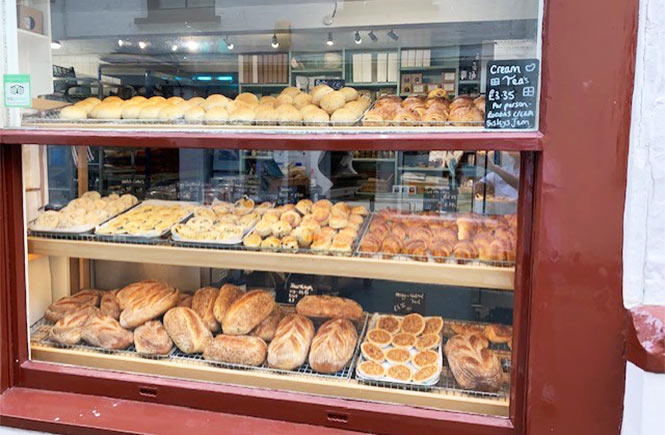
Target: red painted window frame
(571, 345)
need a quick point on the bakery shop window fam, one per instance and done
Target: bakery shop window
(204, 65)
(383, 276)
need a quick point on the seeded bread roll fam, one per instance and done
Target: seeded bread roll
(151, 338)
(203, 303)
(247, 312)
(187, 330)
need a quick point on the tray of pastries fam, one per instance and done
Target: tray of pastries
(434, 109)
(81, 215)
(443, 238)
(321, 106)
(150, 219)
(319, 227)
(402, 349)
(222, 223)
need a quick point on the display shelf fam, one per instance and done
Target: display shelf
(425, 68)
(35, 35)
(201, 371)
(372, 84)
(478, 276)
(373, 159)
(263, 85)
(421, 168)
(317, 71)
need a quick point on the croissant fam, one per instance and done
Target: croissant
(398, 230)
(412, 100)
(406, 117)
(391, 245)
(465, 250)
(437, 93)
(473, 365)
(435, 116)
(461, 101)
(389, 99)
(417, 249)
(370, 243)
(380, 230)
(441, 249)
(465, 114)
(373, 117)
(437, 101)
(466, 227)
(480, 103)
(420, 110)
(419, 233)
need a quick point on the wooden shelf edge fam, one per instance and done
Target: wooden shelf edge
(499, 278)
(301, 384)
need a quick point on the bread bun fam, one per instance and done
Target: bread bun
(132, 111)
(175, 100)
(284, 99)
(138, 99)
(291, 91)
(171, 112)
(332, 101)
(195, 113)
(108, 111)
(302, 100)
(248, 98)
(316, 88)
(94, 100)
(215, 100)
(157, 99)
(196, 101)
(88, 105)
(111, 99)
(343, 115)
(216, 113)
(269, 100)
(317, 115)
(350, 94)
(320, 92)
(73, 112)
(150, 111)
(266, 113)
(243, 114)
(289, 114)
(364, 101)
(308, 108)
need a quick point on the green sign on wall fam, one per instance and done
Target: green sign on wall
(17, 90)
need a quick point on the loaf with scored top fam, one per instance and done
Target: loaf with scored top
(266, 329)
(473, 365)
(203, 303)
(105, 332)
(145, 303)
(68, 304)
(333, 346)
(324, 306)
(247, 312)
(68, 329)
(186, 329)
(225, 298)
(109, 305)
(288, 349)
(151, 338)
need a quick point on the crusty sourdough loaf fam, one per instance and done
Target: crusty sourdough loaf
(266, 329)
(290, 345)
(203, 303)
(186, 329)
(68, 304)
(109, 305)
(68, 329)
(151, 338)
(473, 365)
(146, 303)
(247, 312)
(225, 298)
(333, 346)
(106, 332)
(236, 349)
(323, 306)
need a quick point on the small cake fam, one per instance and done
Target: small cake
(389, 323)
(413, 323)
(372, 352)
(400, 372)
(379, 337)
(426, 374)
(371, 369)
(433, 325)
(428, 341)
(404, 340)
(425, 358)
(398, 356)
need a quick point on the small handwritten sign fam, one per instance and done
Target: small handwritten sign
(512, 94)
(298, 291)
(409, 302)
(336, 84)
(440, 199)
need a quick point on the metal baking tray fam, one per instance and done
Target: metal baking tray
(78, 230)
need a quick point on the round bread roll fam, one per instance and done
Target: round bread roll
(284, 99)
(73, 112)
(138, 99)
(302, 100)
(349, 93)
(94, 100)
(308, 108)
(150, 111)
(332, 101)
(321, 92)
(131, 111)
(171, 112)
(343, 115)
(86, 106)
(215, 100)
(289, 115)
(195, 113)
(364, 101)
(266, 113)
(248, 98)
(111, 98)
(174, 100)
(316, 88)
(235, 105)
(268, 99)
(108, 111)
(291, 91)
(285, 108)
(242, 114)
(196, 101)
(216, 113)
(157, 99)
(356, 107)
(318, 115)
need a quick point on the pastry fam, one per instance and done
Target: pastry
(425, 358)
(145, 302)
(403, 340)
(271, 242)
(186, 329)
(389, 323)
(151, 338)
(290, 345)
(466, 328)
(289, 243)
(304, 206)
(203, 303)
(324, 306)
(428, 341)
(68, 329)
(105, 332)
(333, 346)
(109, 304)
(68, 304)
(337, 222)
(248, 311)
(266, 329)
(426, 374)
(473, 365)
(225, 298)
(379, 337)
(498, 333)
(413, 323)
(281, 229)
(359, 209)
(303, 235)
(400, 372)
(433, 325)
(371, 369)
(398, 356)
(372, 352)
(253, 240)
(232, 349)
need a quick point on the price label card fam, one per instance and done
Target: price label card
(409, 302)
(440, 199)
(336, 84)
(297, 291)
(512, 94)
(17, 90)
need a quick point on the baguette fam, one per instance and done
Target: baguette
(324, 306)
(109, 304)
(203, 303)
(147, 304)
(266, 329)
(105, 332)
(68, 329)
(247, 312)
(225, 298)
(69, 304)
(288, 349)
(151, 338)
(233, 349)
(186, 329)
(333, 346)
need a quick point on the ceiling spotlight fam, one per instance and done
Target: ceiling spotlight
(393, 35)
(174, 47)
(372, 36)
(143, 45)
(56, 45)
(229, 45)
(274, 42)
(193, 45)
(330, 41)
(121, 42)
(357, 39)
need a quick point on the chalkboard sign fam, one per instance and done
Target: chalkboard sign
(297, 291)
(512, 94)
(409, 302)
(336, 84)
(440, 199)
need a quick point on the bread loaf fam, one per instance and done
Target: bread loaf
(288, 349)
(68, 329)
(68, 304)
(186, 329)
(203, 303)
(184, 300)
(225, 298)
(109, 304)
(132, 291)
(247, 312)
(473, 365)
(324, 306)
(147, 303)
(105, 332)
(234, 349)
(151, 338)
(266, 329)
(333, 346)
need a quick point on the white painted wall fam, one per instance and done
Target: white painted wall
(644, 218)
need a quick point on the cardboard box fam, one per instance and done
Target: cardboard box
(30, 19)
